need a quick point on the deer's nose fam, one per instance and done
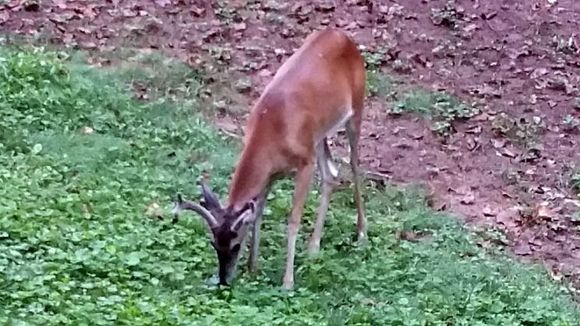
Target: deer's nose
(223, 279)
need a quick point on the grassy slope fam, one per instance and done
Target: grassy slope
(76, 246)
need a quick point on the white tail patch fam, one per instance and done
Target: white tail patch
(332, 169)
(330, 166)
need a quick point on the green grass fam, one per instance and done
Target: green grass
(522, 131)
(380, 84)
(441, 108)
(76, 246)
(575, 181)
(160, 75)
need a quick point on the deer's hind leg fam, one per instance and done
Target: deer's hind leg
(328, 174)
(353, 132)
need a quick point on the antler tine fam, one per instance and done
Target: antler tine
(183, 204)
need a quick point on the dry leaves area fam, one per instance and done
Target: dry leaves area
(512, 166)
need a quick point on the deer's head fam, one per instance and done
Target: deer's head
(228, 226)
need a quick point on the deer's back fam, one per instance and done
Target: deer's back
(310, 94)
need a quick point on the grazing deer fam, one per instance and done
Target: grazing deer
(318, 90)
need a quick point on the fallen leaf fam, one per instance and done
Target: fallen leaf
(37, 148)
(326, 6)
(487, 211)
(402, 145)
(522, 249)
(483, 116)
(398, 129)
(87, 130)
(531, 155)
(472, 144)
(462, 190)
(240, 26)
(154, 210)
(556, 275)
(498, 143)
(506, 195)
(468, 199)
(489, 15)
(4, 16)
(572, 202)
(395, 10)
(88, 45)
(506, 152)
(264, 73)
(538, 72)
(86, 208)
(243, 85)
(162, 3)
(470, 28)
(84, 30)
(545, 212)
(60, 4)
(474, 130)
(559, 83)
(506, 218)
(198, 11)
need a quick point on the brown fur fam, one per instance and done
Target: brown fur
(309, 94)
(319, 89)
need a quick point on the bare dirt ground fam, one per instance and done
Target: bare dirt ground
(517, 61)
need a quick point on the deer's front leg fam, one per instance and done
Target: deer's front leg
(255, 241)
(302, 184)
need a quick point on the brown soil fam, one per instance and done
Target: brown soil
(517, 57)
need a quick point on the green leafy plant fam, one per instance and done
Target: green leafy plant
(443, 109)
(575, 181)
(524, 130)
(448, 16)
(380, 84)
(571, 123)
(375, 59)
(87, 177)
(565, 45)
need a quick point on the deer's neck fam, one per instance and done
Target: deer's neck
(251, 176)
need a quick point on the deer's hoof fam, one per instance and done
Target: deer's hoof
(213, 280)
(313, 248)
(288, 285)
(362, 239)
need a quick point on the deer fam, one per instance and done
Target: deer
(316, 92)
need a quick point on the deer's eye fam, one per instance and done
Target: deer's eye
(236, 247)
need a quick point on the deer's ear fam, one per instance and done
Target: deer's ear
(246, 215)
(210, 200)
